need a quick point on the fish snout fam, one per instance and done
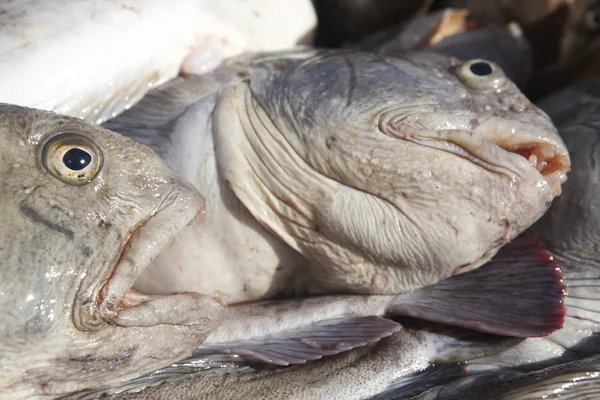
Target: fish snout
(118, 304)
(509, 146)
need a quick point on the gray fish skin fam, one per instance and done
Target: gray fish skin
(572, 380)
(564, 364)
(313, 151)
(570, 231)
(70, 250)
(354, 375)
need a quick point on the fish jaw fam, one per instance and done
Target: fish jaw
(61, 245)
(116, 303)
(489, 139)
(406, 174)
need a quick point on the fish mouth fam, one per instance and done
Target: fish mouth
(116, 301)
(512, 148)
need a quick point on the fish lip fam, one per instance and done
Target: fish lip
(176, 210)
(530, 149)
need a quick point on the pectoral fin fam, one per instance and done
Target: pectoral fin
(311, 342)
(520, 292)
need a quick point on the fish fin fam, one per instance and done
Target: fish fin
(108, 101)
(520, 292)
(571, 380)
(151, 119)
(311, 342)
(410, 386)
(582, 278)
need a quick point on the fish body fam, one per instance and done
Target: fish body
(83, 210)
(358, 351)
(93, 59)
(328, 171)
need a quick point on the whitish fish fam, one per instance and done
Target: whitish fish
(384, 174)
(570, 231)
(402, 357)
(295, 331)
(571, 380)
(82, 211)
(94, 58)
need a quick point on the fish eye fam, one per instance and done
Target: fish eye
(592, 20)
(72, 158)
(481, 75)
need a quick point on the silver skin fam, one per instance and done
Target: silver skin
(385, 174)
(158, 38)
(70, 250)
(355, 375)
(569, 230)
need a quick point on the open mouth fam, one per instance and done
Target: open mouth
(541, 147)
(547, 159)
(119, 304)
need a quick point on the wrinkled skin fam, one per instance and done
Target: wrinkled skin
(386, 174)
(570, 230)
(69, 254)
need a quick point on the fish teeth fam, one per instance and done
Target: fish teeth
(555, 179)
(533, 160)
(546, 151)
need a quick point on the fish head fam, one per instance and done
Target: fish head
(83, 210)
(390, 173)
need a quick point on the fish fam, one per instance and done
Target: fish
(92, 59)
(82, 211)
(570, 380)
(352, 338)
(453, 32)
(340, 171)
(569, 232)
(353, 375)
(564, 36)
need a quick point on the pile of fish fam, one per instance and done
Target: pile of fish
(289, 200)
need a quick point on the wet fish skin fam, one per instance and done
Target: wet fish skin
(339, 145)
(569, 230)
(297, 331)
(354, 375)
(571, 380)
(93, 59)
(68, 242)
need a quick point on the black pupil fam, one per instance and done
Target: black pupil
(77, 159)
(597, 17)
(481, 68)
